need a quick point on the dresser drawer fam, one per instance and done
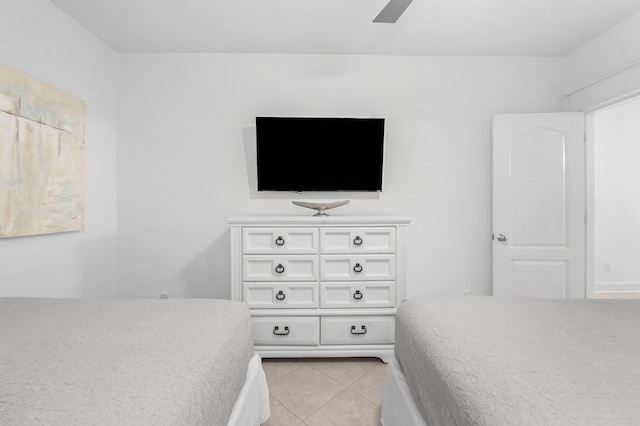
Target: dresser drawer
(289, 295)
(280, 268)
(379, 267)
(286, 331)
(358, 330)
(280, 240)
(358, 240)
(378, 294)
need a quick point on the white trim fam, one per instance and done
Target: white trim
(617, 286)
(299, 312)
(384, 352)
(606, 76)
(613, 101)
(590, 247)
(608, 90)
(590, 285)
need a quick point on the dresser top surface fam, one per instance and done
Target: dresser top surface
(318, 220)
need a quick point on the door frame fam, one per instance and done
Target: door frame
(590, 247)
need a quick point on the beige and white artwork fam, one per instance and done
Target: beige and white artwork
(41, 157)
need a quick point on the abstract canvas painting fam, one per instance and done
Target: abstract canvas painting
(41, 157)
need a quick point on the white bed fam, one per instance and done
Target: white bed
(495, 361)
(398, 407)
(252, 405)
(130, 362)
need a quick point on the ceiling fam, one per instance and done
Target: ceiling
(428, 27)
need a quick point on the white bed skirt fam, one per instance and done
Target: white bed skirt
(398, 407)
(252, 405)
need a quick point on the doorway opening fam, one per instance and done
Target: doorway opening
(613, 181)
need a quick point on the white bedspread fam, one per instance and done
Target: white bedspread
(126, 362)
(493, 361)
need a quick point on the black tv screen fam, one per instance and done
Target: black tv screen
(319, 154)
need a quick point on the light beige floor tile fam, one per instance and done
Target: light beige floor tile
(635, 295)
(617, 295)
(345, 370)
(305, 390)
(604, 296)
(280, 416)
(614, 296)
(370, 385)
(275, 369)
(346, 409)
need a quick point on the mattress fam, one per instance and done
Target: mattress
(129, 362)
(494, 361)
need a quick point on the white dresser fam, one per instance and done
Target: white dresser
(320, 286)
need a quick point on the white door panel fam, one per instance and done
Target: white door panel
(530, 278)
(538, 190)
(539, 205)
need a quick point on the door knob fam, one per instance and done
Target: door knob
(502, 238)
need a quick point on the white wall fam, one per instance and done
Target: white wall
(186, 131)
(186, 134)
(39, 40)
(617, 198)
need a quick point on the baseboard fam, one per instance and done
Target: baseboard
(609, 287)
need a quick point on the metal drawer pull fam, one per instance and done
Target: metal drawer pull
(280, 241)
(358, 333)
(280, 295)
(279, 268)
(357, 241)
(283, 333)
(358, 295)
(357, 268)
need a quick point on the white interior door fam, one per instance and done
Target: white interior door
(539, 205)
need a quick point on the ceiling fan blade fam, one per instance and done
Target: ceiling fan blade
(392, 11)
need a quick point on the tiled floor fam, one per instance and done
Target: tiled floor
(329, 391)
(618, 295)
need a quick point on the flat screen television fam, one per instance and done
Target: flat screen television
(319, 154)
